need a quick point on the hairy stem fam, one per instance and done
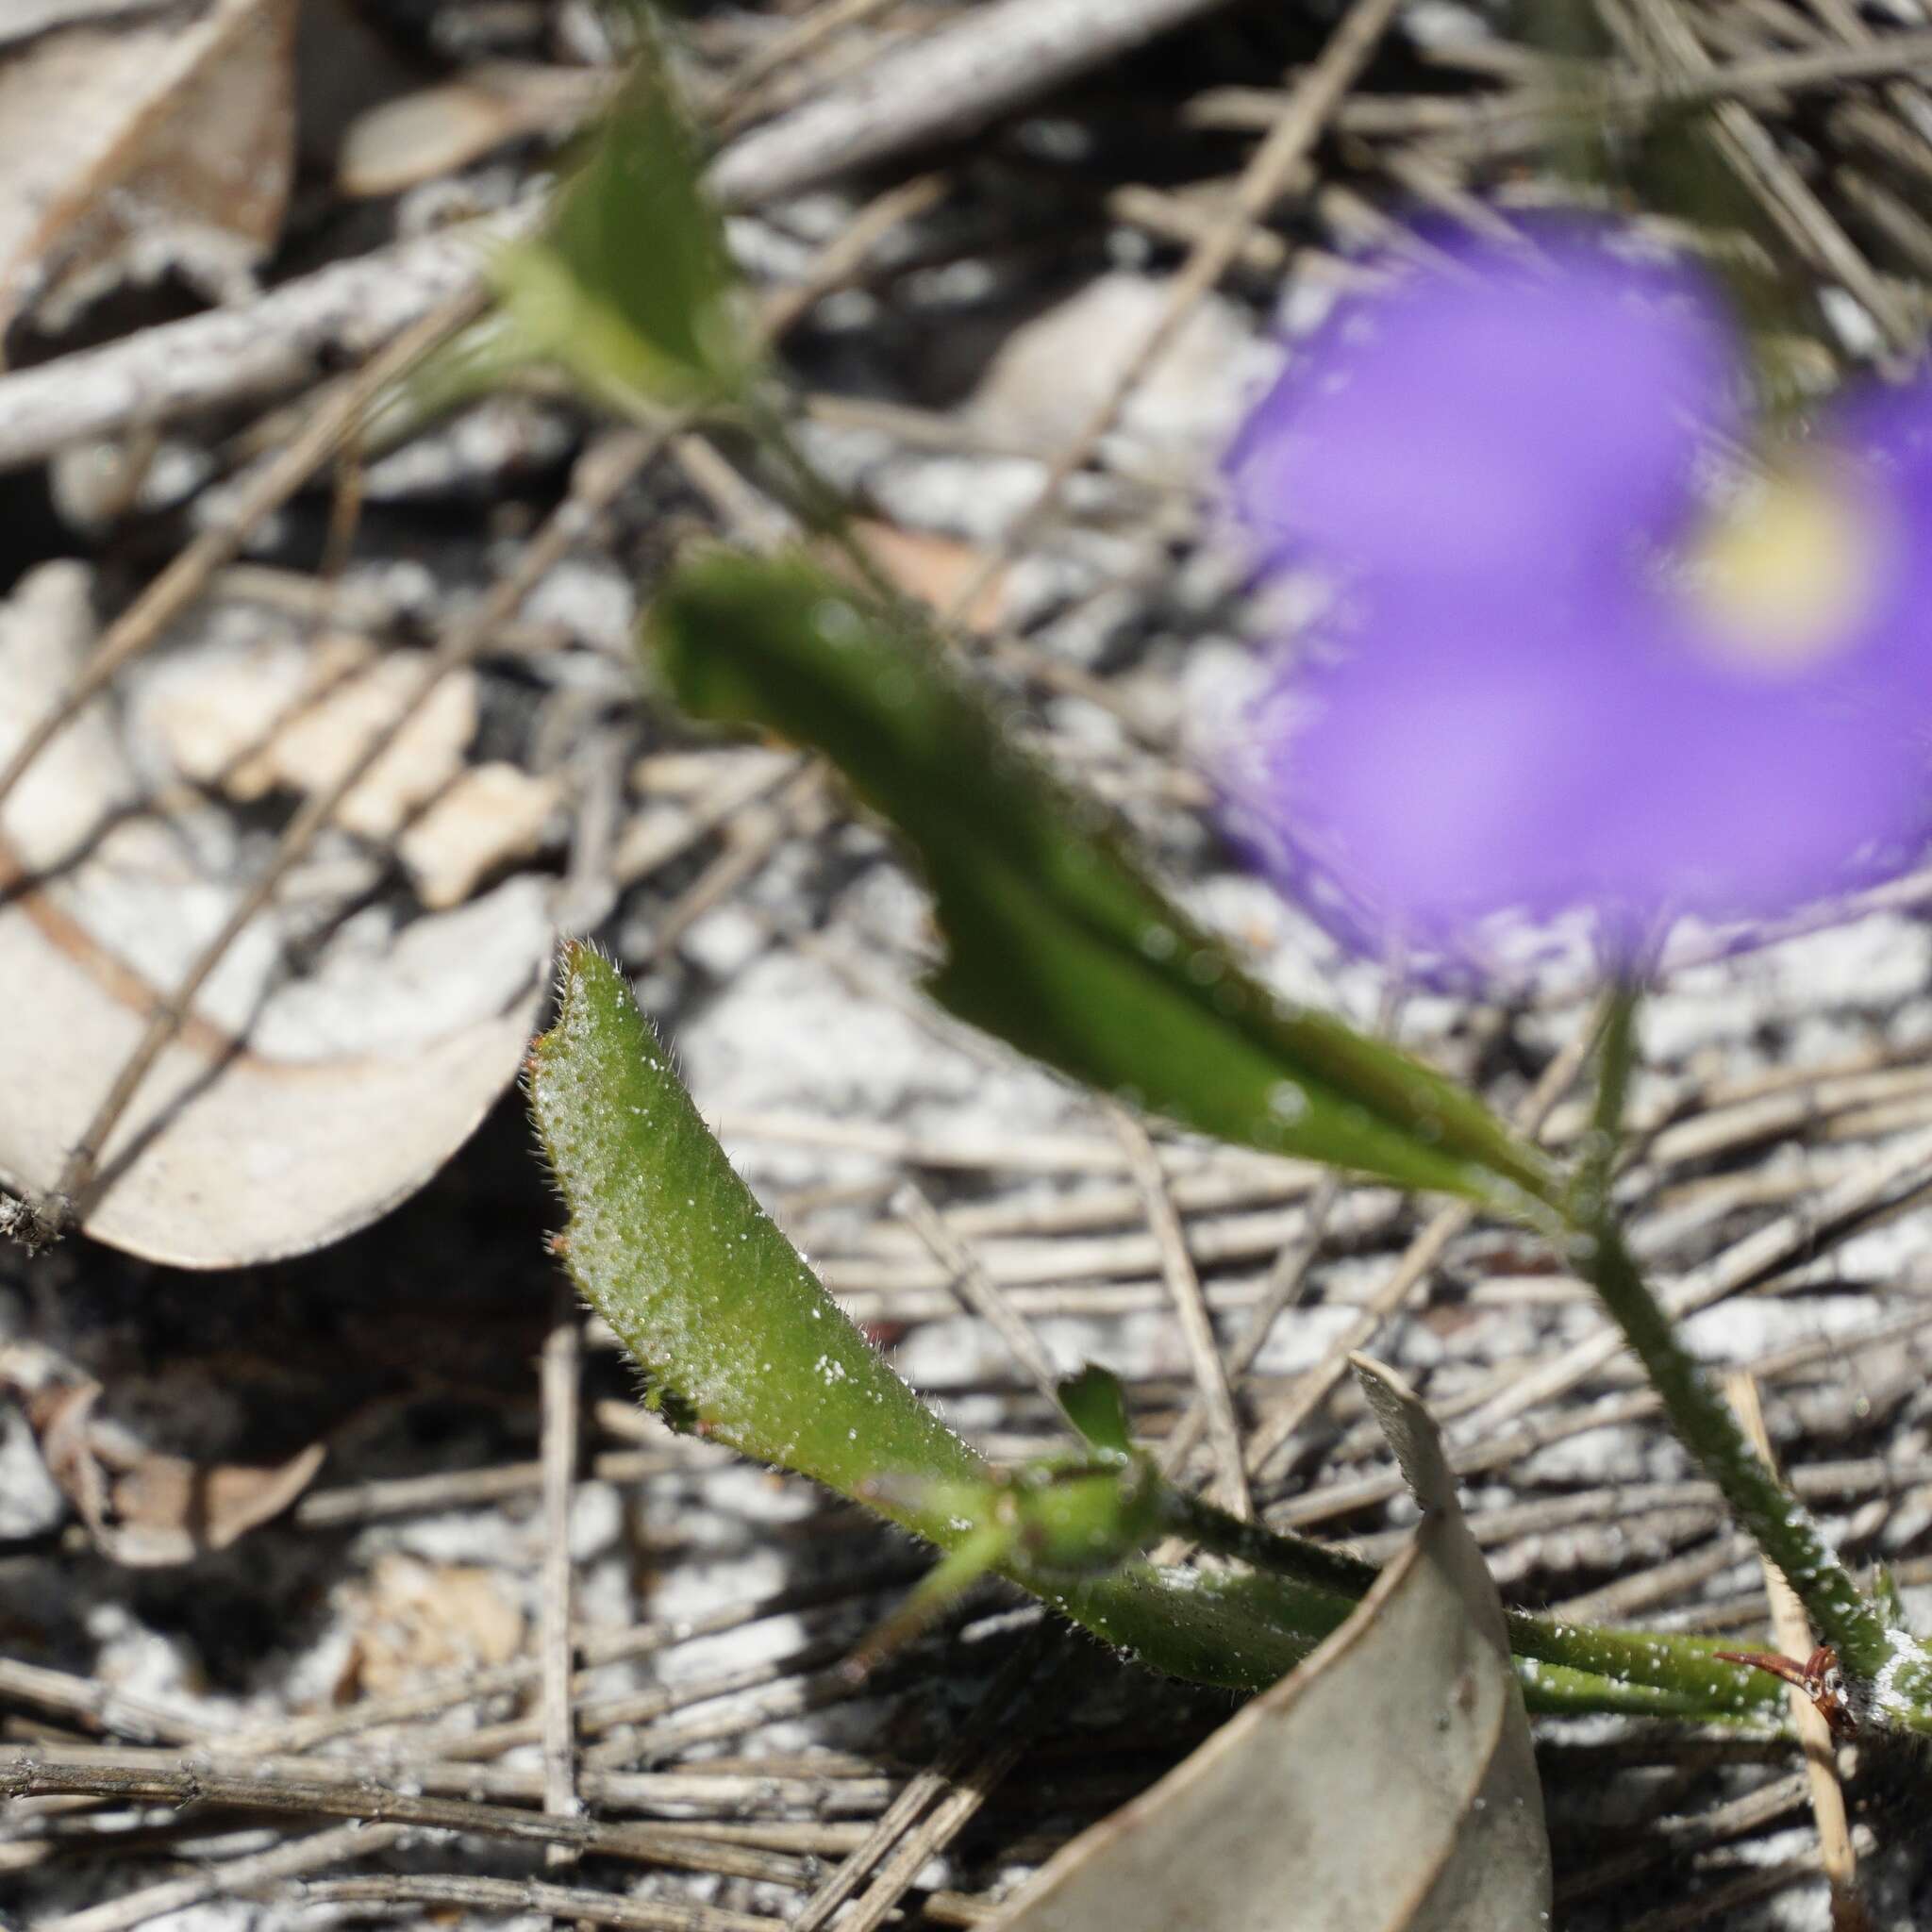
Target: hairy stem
(1578, 1664)
(1782, 1527)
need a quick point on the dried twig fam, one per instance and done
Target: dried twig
(248, 351)
(998, 57)
(1197, 1326)
(559, 1377)
(188, 575)
(1657, 36)
(1421, 1257)
(1274, 166)
(239, 1877)
(977, 1759)
(978, 1290)
(1792, 1630)
(602, 474)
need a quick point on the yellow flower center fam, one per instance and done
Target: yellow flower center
(1783, 573)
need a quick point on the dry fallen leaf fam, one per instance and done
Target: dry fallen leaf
(436, 130)
(1053, 372)
(314, 1084)
(934, 568)
(1385, 1785)
(491, 816)
(148, 1509)
(265, 714)
(141, 143)
(413, 1617)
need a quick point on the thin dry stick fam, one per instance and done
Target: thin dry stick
(1859, 123)
(1905, 97)
(495, 1895)
(978, 1743)
(1418, 1260)
(727, 1788)
(795, 42)
(842, 258)
(600, 474)
(753, 836)
(1716, 1904)
(1463, 127)
(469, 1489)
(1287, 1279)
(955, 1810)
(638, 857)
(995, 58)
(1262, 181)
(1631, 1595)
(1197, 1327)
(560, 1375)
(231, 1878)
(1752, 1812)
(1664, 38)
(245, 350)
(1698, 1503)
(1040, 1153)
(441, 1691)
(186, 577)
(1501, 1447)
(978, 1289)
(1793, 1630)
(1889, 1185)
(334, 1787)
(95, 1703)
(1287, 1276)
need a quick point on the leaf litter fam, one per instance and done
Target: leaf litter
(294, 1105)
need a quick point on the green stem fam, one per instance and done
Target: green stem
(1581, 1666)
(1616, 1056)
(1781, 1525)
(1183, 1513)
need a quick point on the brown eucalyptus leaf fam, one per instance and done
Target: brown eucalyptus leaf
(313, 1086)
(149, 1510)
(144, 140)
(1385, 1785)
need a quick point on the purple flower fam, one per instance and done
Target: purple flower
(1585, 648)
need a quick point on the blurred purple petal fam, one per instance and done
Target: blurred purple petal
(1521, 706)
(1507, 415)
(1438, 772)
(1745, 798)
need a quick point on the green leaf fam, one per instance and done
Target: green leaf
(739, 1341)
(1097, 1407)
(629, 288)
(735, 1336)
(1058, 940)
